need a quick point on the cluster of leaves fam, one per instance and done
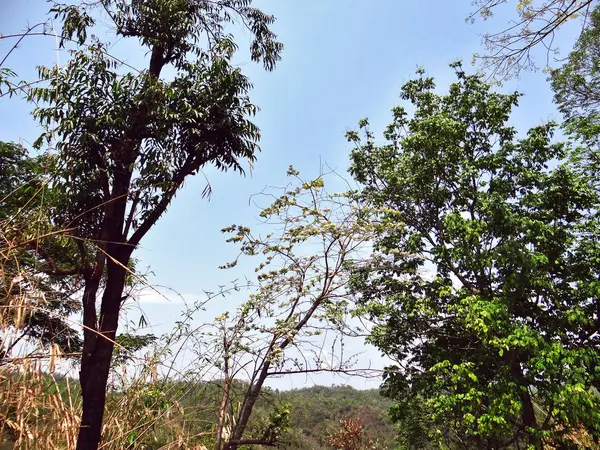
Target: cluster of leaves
(487, 292)
(128, 344)
(36, 299)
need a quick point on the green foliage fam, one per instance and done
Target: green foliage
(316, 413)
(576, 87)
(125, 140)
(99, 111)
(128, 344)
(484, 284)
(35, 298)
(153, 415)
(6, 86)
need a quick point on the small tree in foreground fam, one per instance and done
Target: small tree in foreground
(302, 293)
(486, 290)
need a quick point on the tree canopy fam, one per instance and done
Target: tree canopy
(485, 288)
(35, 297)
(465, 251)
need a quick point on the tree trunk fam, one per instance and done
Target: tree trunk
(246, 411)
(528, 418)
(223, 404)
(254, 390)
(96, 365)
(90, 319)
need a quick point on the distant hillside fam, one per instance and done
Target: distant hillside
(317, 412)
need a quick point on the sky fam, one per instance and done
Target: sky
(343, 60)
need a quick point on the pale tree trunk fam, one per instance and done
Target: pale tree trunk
(223, 405)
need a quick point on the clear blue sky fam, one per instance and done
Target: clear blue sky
(343, 60)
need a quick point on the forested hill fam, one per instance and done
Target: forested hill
(317, 413)
(169, 410)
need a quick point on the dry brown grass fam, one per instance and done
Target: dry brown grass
(39, 410)
(35, 410)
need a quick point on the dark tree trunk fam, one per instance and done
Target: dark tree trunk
(95, 366)
(99, 345)
(90, 318)
(247, 407)
(528, 418)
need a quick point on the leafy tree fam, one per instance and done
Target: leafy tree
(129, 343)
(577, 90)
(509, 51)
(125, 141)
(301, 292)
(36, 298)
(485, 280)
(351, 436)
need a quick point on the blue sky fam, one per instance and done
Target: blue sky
(343, 60)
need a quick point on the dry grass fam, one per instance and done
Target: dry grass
(41, 410)
(35, 410)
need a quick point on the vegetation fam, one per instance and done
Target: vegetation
(465, 252)
(511, 51)
(155, 415)
(124, 143)
(318, 415)
(25, 205)
(489, 309)
(576, 86)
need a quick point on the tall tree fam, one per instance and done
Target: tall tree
(510, 51)
(576, 88)
(126, 140)
(485, 287)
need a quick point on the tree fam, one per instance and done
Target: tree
(125, 141)
(576, 88)
(301, 293)
(509, 51)
(351, 436)
(35, 296)
(485, 282)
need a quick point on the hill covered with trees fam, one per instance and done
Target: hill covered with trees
(157, 414)
(317, 413)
